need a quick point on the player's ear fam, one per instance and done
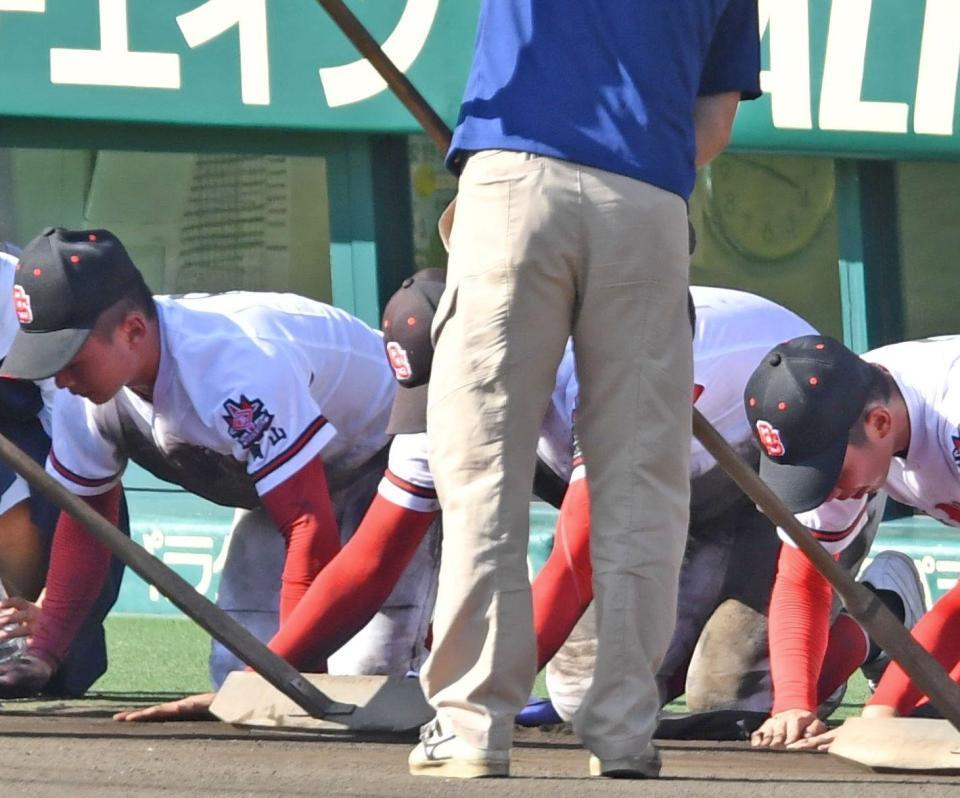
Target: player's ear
(134, 328)
(879, 422)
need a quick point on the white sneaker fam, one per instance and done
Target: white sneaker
(447, 756)
(646, 766)
(896, 571)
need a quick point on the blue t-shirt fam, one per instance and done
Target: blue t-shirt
(605, 83)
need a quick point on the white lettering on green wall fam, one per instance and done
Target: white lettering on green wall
(939, 67)
(250, 17)
(114, 64)
(841, 106)
(788, 79)
(786, 26)
(37, 6)
(357, 81)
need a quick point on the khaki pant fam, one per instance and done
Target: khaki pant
(542, 249)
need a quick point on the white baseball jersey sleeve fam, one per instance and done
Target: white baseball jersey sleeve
(254, 384)
(408, 481)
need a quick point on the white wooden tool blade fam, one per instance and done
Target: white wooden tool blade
(388, 704)
(888, 744)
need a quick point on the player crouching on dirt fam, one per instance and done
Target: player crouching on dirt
(835, 430)
(268, 402)
(718, 655)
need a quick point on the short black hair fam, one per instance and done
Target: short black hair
(136, 296)
(879, 392)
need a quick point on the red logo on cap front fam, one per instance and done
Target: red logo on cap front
(21, 301)
(399, 360)
(770, 439)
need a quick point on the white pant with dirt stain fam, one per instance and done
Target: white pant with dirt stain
(391, 643)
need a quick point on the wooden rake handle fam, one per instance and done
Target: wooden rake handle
(879, 622)
(221, 626)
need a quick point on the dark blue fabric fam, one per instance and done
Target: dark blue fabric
(605, 83)
(87, 659)
(20, 400)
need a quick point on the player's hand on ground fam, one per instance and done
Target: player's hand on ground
(19, 615)
(787, 727)
(24, 676)
(193, 707)
(822, 742)
(818, 742)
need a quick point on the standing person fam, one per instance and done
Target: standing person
(835, 430)
(268, 402)
(580, 131)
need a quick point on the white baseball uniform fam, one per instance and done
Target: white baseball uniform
(250, 388)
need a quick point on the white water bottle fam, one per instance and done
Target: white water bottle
(15, 646)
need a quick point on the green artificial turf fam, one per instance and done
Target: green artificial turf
(155, 655)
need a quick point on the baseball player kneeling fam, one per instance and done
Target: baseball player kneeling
(271, 403)
(836, 429)
(718, 656)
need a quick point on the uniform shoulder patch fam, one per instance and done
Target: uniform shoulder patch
(247, 420)
(956, 448)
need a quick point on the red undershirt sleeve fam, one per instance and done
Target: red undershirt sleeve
(300, 506)
(353, 586)
(799, 625)
(939, 633)
(563, 589)
(79, 565)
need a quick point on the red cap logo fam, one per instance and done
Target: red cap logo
(399, 360)
(21, 301)
(770, 439)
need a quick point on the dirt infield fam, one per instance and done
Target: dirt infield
(77, 750)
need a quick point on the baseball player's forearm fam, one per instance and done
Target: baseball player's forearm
(939, 632)
(79, 565)
(354, 585)
(563, 589)
(799, 624)
(302, 510)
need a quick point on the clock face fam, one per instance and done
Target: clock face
(768, 207)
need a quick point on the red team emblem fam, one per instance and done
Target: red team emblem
(399, 360)
(247, 421)
(770, 438)
(21, 301)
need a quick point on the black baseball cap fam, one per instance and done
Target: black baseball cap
(406, 337)
(801, 401)
(64, 281)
